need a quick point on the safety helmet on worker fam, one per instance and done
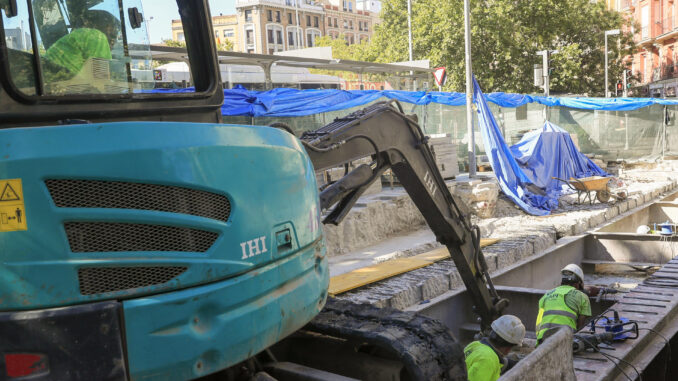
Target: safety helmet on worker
(509, 328)
(575, 270)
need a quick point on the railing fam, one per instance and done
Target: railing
(656, 74)
(669, 71)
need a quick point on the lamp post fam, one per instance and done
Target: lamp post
(612, 32)
(469, 92)
(409, 25)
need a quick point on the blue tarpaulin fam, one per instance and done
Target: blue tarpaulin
(284, 102)
(550, 152)
(525, 170)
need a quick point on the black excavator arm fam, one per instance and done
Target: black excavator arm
(395, 140)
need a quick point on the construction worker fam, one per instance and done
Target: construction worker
(486, 358)
(567, 305)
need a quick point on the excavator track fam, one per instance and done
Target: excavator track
(425, 346)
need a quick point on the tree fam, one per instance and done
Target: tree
(343, 51)
(506, 34)
(225, 45)
(174, 43)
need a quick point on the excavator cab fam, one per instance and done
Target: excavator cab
(141, 238)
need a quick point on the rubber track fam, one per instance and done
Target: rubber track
(425, 346)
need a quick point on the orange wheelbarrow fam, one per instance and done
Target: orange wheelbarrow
(588, 185)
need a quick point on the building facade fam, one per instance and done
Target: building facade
(269, 26)
(654, 64)
(225, 28)
(345, 19)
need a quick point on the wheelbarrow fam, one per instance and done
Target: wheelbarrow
(588, 185)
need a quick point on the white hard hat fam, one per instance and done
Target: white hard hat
(643, 229)
(509, 328)
(576, 270)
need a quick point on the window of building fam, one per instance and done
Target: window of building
(248, 15)
(229, 33)
(308, 20)
(274, 38)
(329, 21)
(289, 18)
(350, 24)
(345, 9)
(269, 15)
(335, 23)
(350, 6)
(216, 33)
(277, 16)
(249, 36)
(180, 37)
(360, 25)
(345, 24)
(311, 36)
(352, 40)
(366, 26)
(316, 22)
(290, 38)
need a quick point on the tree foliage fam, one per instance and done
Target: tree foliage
(506, 34)
(222, 45)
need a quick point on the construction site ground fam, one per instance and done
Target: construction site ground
(386, 226)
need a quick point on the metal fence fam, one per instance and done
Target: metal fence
(648, 133)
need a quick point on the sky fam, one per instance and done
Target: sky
(162, 13)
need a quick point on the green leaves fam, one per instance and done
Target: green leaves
(506, 34)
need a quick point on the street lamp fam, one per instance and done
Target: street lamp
(469, 91)
(612, 32)
(409, 25)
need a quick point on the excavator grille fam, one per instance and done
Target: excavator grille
(126, 195)
(88, 237)
(98, 280)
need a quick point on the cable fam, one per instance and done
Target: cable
(282, 126)
(640, 378)
(595, 349)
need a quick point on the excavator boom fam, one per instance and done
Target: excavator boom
(395, 140)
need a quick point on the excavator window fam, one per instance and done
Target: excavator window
(81, 47)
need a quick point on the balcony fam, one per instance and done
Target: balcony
(666, 25)
(301, 4)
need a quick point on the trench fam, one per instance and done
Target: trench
(643, 267)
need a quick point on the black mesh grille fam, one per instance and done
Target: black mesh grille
(87, 237)
(97, 280)
(123, 195)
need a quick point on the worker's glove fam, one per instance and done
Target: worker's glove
(509, 362)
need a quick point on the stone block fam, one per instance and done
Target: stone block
(580, 226)
(434, 286)
(596, 218)
(611, 212)
(487, 191)
(623, 206)
(405, 298)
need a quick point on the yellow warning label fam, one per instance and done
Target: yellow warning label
(12, 208)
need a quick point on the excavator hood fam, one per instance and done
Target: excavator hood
(118, 210)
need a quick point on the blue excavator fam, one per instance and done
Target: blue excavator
(143, 239)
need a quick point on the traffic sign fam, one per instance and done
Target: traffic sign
(440, 76)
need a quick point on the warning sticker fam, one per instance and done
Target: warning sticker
(12, 208)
